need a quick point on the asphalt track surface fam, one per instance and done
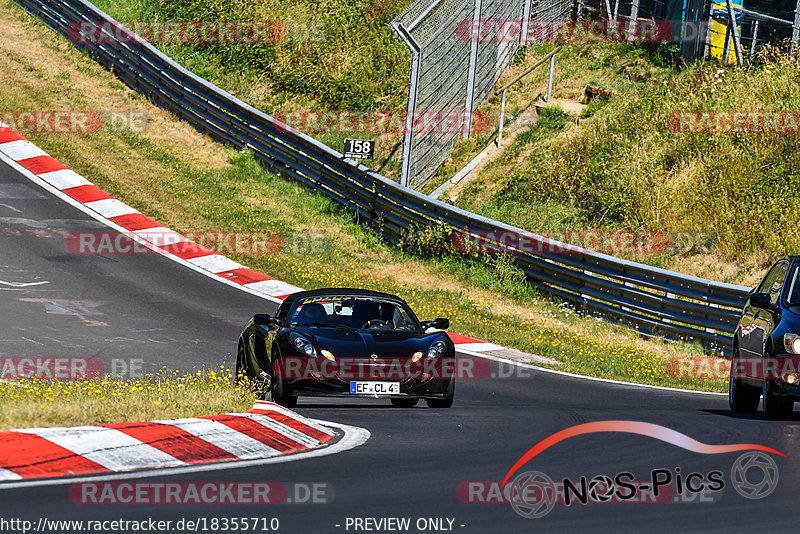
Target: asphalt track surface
(149, 308)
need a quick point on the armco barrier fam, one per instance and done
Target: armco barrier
(656, 301)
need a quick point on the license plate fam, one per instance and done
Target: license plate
(375, 388)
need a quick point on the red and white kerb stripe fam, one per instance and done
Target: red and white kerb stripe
(161, 238)
(265, 431)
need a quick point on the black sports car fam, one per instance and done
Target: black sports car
(766, 345)
(348, 342)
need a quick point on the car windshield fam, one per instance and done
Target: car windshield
(360, 313)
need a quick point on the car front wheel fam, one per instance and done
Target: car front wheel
(280, 393)
(775, 406)
(447, 401)
(742, 397)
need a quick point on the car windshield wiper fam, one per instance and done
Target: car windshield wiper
(327, 325)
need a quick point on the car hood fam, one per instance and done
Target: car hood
(364, 344)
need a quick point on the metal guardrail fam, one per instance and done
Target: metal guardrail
(655, 301)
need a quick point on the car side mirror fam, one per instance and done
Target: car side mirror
(262, 319)
(439, 324)
(762, 301)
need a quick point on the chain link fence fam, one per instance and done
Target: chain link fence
(452, 72)
(454, 66)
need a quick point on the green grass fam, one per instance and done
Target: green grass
(354, 62)
(619, 166)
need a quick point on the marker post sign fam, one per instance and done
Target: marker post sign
(359, 149)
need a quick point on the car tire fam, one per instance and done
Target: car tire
(281, 393)
(775, 406)
(404, 403)
(447, 401)
(242, 371)
(742, 398)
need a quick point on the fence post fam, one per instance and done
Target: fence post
(526, 19)
(502, 119)
(707, 50)
(413, 88)
(755, 38)
(579, 12)
(795, 29)
(726, 54)
(633, 24)
(473, 67)
(736, 43)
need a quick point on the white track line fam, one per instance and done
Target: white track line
(353, 437)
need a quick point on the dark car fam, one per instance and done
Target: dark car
(348, 343)
(766, 344)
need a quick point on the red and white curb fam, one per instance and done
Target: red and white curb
(133, 223)
(78, 191)
(266, 431)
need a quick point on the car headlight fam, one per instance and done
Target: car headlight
(437, 349)
(303, 345)
(791, 343)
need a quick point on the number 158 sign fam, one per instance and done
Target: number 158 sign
(359, 149)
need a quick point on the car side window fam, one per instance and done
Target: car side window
(777, 284)
(769, 280)
(793, 291)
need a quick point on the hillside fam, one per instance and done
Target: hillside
(320, 55)
(629, 163)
